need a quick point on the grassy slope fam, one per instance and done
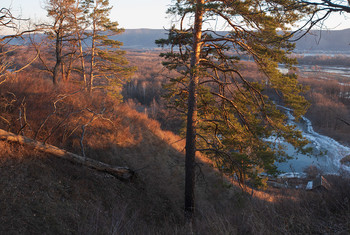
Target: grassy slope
(42, 194)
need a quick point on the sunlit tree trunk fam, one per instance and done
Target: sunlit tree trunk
(63, 72)
(82, 61)
(69, 67)
(192, 114)
(80, 23)
(93, 45)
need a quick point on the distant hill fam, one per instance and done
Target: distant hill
(316, 41)
(336, 41)
(141, 38)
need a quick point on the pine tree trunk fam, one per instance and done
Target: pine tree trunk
(63, 72)
(92, 56)
(55, 74)
(192, 114)
(82, 61)
(58, 50)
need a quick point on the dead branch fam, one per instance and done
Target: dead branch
(24, 67)
(22, 113)
(54, 112)
(54, 129)
(93, 118)
(37, 49)
(344, 121)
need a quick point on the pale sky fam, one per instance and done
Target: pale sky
(132, 14)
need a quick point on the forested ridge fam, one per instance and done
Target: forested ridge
(316, 41)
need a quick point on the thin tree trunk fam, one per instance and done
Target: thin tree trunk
(192, 115)
(92, 56)
(82, 60)
(58, 54)
(55, 74)
(69, 67)
(63, 72)
(58, 59)
(79, 35)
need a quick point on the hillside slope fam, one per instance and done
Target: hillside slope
(43, 194)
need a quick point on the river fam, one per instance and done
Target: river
(335, 70)
(326, 155)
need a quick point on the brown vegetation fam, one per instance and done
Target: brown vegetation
(330, 107)
(121, 136)
(329, 110)
(324, 60)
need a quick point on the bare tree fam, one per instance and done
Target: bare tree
(10, 23)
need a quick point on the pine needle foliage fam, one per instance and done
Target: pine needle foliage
(108, 64)
(235, 114)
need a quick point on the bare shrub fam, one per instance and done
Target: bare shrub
(312, 171)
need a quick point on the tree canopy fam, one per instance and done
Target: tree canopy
(81, 31)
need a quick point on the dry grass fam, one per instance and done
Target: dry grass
(41, 194)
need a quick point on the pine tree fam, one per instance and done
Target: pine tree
(230, 116)
(108, 63)
(79, 25)
(60, 31)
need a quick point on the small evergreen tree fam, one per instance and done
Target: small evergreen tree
(108, 63)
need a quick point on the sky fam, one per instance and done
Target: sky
(130, 14)
(133, 14)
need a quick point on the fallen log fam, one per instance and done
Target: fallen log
(122, 173)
